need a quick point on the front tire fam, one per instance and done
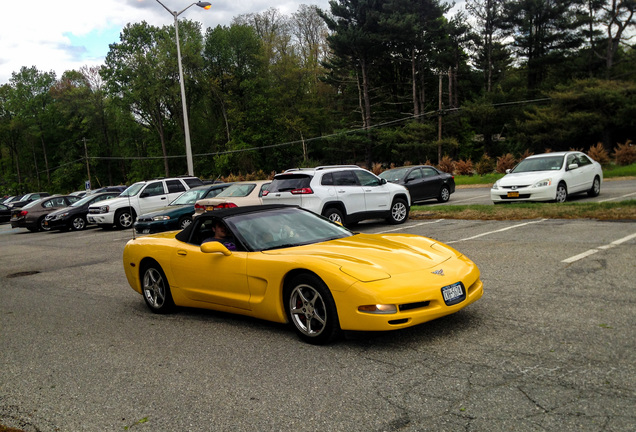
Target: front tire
(561, 193)
(184, 222)
(124, 218)
(156, 289)
(311, 310)
(444, 194)
(596, 188)
(41, 225)
(78, 223)
(399, 212)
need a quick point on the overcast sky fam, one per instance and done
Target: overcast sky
(68, 34)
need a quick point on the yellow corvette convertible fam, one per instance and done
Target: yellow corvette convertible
(286, 264)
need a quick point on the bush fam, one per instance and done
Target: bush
(376, 168)
(505, 162)
(447, 165)
(485, 165)
(599, 154)
(625, 154)
(525, 154)
(463, 167)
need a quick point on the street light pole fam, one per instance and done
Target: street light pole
(186, 125)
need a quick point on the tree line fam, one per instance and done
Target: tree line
(366, 81)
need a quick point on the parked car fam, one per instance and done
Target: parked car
(424, 182)
(178, 214)
(549, 177)
(119, 189)
(239, 194)
(30, 197)
(10, 199)
(79, 193)
(141, 197)
(293, 266)
(5, 213)
(342, 193)
(33, 214)
(73, 217)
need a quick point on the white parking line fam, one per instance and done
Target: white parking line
(409, 226)
(617, 198)
(456, 201)
(598, 249)
(496, 231)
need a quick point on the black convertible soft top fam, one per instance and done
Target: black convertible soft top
(184, 235)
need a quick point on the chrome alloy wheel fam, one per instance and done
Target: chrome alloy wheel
(154, 288)
(308, 310)
(398, 211)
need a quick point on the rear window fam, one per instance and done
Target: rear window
(289, 182)
(193, 182)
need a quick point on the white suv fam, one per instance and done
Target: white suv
(139, 198)
(343, 193)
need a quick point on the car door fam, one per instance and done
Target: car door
(349, 191)
(575, 177)
(587, 171)
(416, 185)
(153, 196)
(175, 188)
(211, 277)
(377, 196)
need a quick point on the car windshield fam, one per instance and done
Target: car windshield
(393, 175)
(237, 190)
(83, 201)
(547, 163)
(188, 197)
(132, 190)
(283, 228)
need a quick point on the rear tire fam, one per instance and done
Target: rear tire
(334, 215)
(596, 188)
(311, 310)
(444, 194)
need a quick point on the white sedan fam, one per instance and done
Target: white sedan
(549, 177)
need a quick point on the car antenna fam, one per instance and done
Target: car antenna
(132, 225)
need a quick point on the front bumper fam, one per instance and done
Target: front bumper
(547, 193)
(423, 303)
(101, 218)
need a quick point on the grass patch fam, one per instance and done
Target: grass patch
(624, 210)
(614, 171)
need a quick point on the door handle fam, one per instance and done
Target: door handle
(182, 252)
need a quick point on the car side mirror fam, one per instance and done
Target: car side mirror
(144, 195)
(572, 166)
(215, 247)
(382, 181)
(508, 171)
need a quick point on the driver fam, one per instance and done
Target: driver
(222, 236)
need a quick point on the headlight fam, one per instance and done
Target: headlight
(378, 309)
(543, 183)
(160, 218)
(496, 185)
(104, 209)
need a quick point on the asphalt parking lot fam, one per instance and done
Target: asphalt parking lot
(551, 345)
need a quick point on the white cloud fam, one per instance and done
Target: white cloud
(67, 34)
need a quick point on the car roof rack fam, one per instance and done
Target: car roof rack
(320, 168)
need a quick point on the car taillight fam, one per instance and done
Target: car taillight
(265, 192)
(23, 213)
(199, 207)
(225, 206)
(302, 191)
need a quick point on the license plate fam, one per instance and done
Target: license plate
(146, 231)
(454, 293)
(513, 194)
(209, 208)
